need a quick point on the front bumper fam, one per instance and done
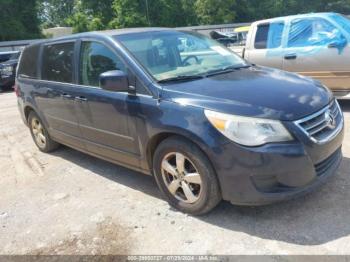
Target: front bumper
(271, 191)
(275, 172)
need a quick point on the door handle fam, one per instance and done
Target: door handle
(80, 99)
(66, 96)
(290, 56)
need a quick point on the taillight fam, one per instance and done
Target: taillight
(16, 88)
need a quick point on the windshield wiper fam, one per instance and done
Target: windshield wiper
(226, 69)
(180, 78)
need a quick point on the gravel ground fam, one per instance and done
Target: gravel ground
(70, 203)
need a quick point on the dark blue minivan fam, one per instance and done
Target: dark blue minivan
(178, 105)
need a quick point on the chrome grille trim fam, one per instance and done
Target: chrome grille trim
(316, 127)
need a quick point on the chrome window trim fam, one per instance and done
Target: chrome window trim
(83, 86)
(333, 134)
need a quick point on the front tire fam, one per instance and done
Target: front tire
(40, 135)
(185, 176)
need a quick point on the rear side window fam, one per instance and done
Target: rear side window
(29, 62)
(57, 62)
(269, 35)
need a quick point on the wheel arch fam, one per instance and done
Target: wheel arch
(27, 109)
(154, 142)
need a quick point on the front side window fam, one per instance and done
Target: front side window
(269, 35)
(313, 32)
(95, 59)
(58, 62)
(169, 53)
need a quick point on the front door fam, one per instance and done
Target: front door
(266, 48)
(103, 116)
(316, 48)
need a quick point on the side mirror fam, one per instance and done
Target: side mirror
(115, 80)
(334, 44)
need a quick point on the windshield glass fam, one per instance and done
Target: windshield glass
(169, 54)
(343, 21)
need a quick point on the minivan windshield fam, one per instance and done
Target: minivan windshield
(171, 54)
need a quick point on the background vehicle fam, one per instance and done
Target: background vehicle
(314, 45)
(8, 71)
(4, 56)
(234, 40)
(242, 34)
(225, 38)
(177, 105)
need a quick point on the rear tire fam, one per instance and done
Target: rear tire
(40, 135)
(185, 176)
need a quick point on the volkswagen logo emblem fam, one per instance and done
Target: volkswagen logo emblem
(330, 121)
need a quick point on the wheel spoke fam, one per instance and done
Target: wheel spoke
(34, 124)
(169, 168)
(180, 162)
(188, 193)
(193, 178)
(173, 186)
(42, 137)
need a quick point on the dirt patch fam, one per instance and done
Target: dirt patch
(107, 238)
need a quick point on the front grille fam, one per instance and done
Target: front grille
(323, 125)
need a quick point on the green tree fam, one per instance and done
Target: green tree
(215, 11)
(19, 20)
(189, 16)
(101, 9)
(130, 13)
(106, 14)
(166, 13)
(55, 12)
(90, 15)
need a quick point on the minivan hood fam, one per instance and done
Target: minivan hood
(255, 92)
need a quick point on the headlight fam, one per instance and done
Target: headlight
(248, 131)
(6, 70)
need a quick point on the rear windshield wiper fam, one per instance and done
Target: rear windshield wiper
(226, 69)
(180, 78)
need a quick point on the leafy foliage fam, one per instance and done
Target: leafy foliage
(172, 13)
(54, 13)
(19, 20)
(215, 11)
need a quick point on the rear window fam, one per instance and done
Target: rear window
(29, 61)
(58, 62)
(269, 35)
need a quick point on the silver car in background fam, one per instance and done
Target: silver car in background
(314, 45)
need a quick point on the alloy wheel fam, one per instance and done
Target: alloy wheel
(38, 132)
(181, 177)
